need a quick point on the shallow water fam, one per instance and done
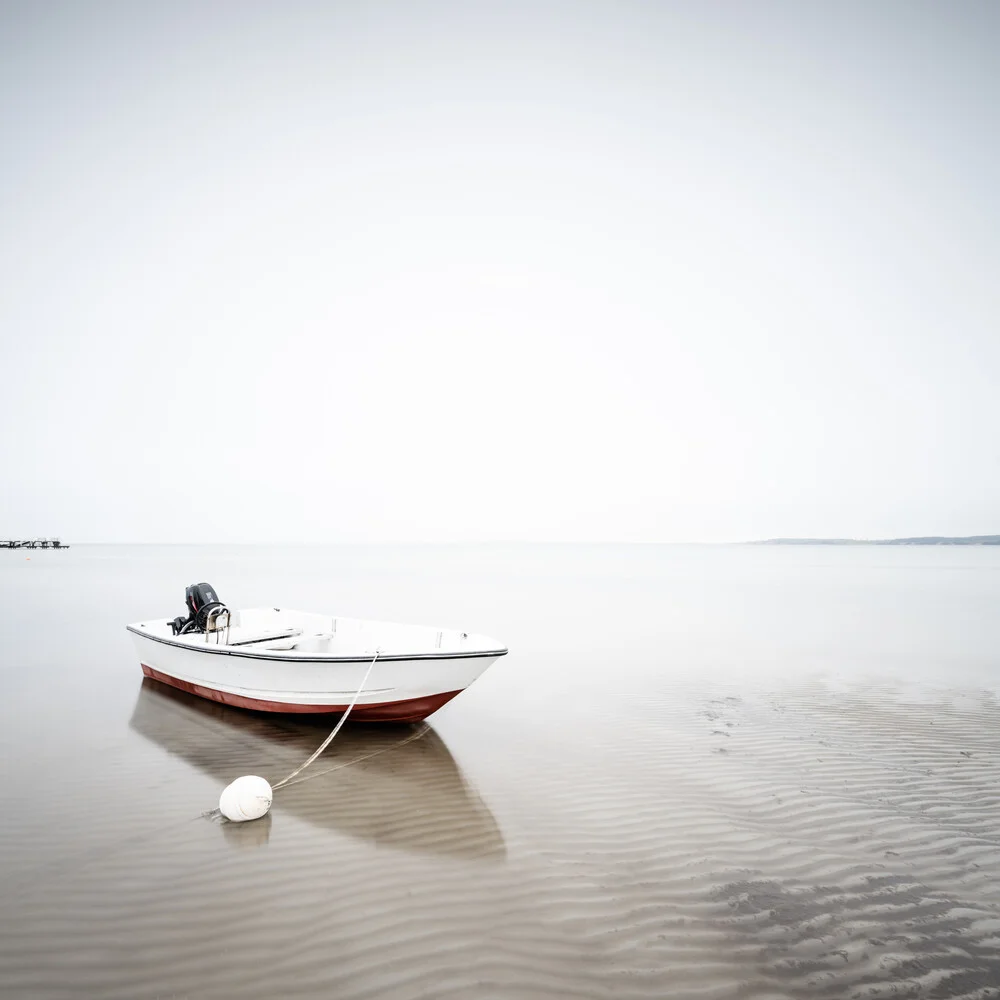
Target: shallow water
(714, 771)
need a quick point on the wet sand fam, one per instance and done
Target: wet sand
(710, 810)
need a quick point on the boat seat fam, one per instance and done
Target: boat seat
(273, 636)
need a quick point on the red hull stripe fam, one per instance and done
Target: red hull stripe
(410, 710)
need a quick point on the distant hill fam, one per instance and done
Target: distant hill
(924, 540)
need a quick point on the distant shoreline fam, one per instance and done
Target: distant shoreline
(924, 540)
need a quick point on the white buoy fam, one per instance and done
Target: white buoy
(246, 798)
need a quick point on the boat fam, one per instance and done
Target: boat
(280, 660)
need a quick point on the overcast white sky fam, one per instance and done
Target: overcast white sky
(445, 271)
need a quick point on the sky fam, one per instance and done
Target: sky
(545, 271)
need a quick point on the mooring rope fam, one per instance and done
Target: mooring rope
(336, 729)
(423, 731)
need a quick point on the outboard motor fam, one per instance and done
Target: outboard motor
(203, 607)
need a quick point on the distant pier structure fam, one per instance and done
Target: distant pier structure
(32, 543)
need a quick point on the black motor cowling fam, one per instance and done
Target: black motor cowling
(202, 604)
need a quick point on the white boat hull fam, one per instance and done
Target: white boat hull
(417, 670)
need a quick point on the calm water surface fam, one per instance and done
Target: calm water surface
(578, 823)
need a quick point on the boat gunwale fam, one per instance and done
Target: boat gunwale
(282, 654)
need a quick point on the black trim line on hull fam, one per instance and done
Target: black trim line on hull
(208, 648)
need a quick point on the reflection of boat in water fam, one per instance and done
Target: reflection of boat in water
(403, 788)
